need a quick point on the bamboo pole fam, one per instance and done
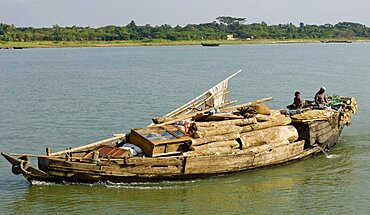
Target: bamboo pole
(238, 122)
(205, 100)
(189, 116)
(185, 106)
(95, 144)
(31, 155)
(71, 158)
(232, 108)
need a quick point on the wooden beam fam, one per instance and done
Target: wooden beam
(233, 108)
(95, 144)
(188, 116)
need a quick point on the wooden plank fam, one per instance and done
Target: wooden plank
(275, 121)
(88, 146)
(218, 164)
(221, 130)
(151, 171)
(230, 144)
(235, 108)
(237, 122)
(148, 162)
(326, 136)
(187, 116)
(200, 141)
(211, 151)
(319, 126)
(269, 135)
(274, 155)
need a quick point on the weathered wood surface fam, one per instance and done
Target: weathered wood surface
(323, 137)
(247, 159)
(274, 121)
(133, 167)
(219, 138)
(266, 147)
(185, 116)
(218, 164)
(228, 129)
(89, 146)
(235, 108)
(229, 144)
(269, 135)
(214, 148)
(238, 122)
(147, 161)
(211, 151)
(215, 117)
(278, 154)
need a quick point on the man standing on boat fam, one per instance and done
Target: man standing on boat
(320, 97)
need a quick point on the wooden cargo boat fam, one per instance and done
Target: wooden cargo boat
(192, 143)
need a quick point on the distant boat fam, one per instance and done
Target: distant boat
(210, 44)
(336, 41)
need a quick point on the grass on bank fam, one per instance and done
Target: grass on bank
(120, 43)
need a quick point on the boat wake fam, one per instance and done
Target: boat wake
(134, 185)
(332, 156)
(150, 185)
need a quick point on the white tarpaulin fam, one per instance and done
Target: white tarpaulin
(218, 94)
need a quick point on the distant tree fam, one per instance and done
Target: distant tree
(57, 33)
(214, 30)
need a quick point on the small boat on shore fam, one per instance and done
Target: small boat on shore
(207, 136)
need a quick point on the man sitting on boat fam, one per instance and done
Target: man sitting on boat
(320, 98)
(297, 102)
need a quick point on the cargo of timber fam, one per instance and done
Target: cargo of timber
(209, 135)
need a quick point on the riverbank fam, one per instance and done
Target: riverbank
(123, 43)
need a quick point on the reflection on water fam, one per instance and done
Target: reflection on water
(68, 97)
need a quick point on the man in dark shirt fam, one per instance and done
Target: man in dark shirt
(297, 103)
(320, 97)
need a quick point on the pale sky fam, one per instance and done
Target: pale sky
(97, 13)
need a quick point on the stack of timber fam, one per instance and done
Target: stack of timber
(233, 136)
(349, 107)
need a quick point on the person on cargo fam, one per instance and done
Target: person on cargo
(320, 97)
(297, 102)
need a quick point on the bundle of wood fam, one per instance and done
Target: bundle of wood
(231, 136)
(313, 115)
(349, 107)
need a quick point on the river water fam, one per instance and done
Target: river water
(70, 97)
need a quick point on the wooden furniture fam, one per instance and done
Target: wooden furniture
(160, 141)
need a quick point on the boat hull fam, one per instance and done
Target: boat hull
(314, 136)
(59, 170)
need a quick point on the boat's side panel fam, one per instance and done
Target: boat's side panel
(218, 164)
(131, 167)
(255, 157)
(276, 155)
(324, 133)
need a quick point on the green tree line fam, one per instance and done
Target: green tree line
(216, 30)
